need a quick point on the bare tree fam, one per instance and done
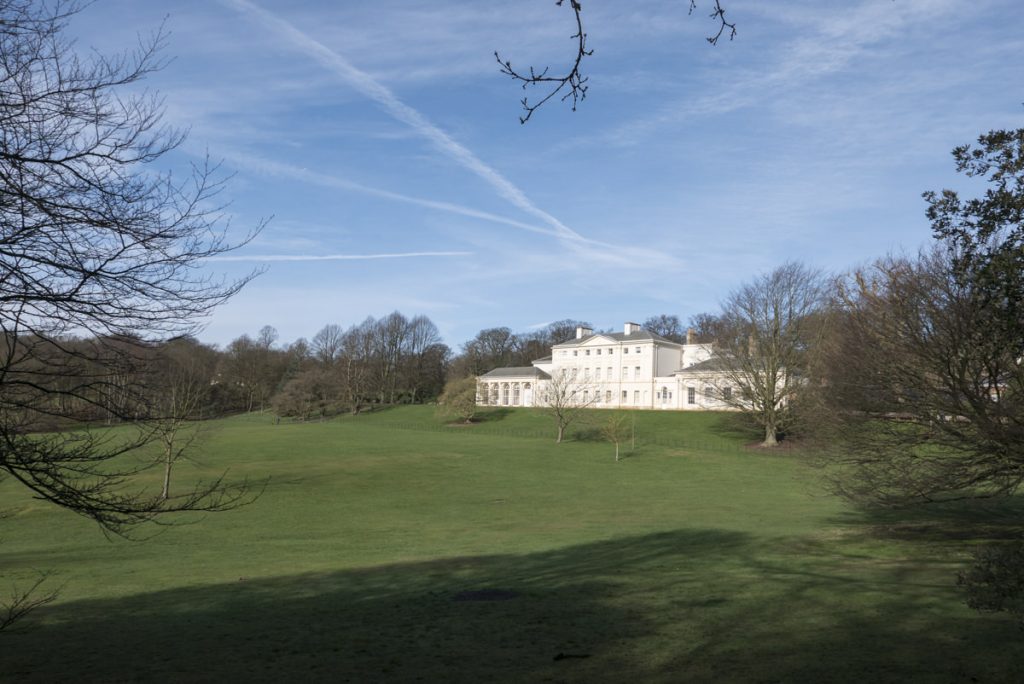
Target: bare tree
(922, 398)
(181, 377)
(616, 429)
(355, 365)
(768, 327)
(94, 243)
(327, 344)
(706, 327)
(668, 326)
(572, 84)
(565, 400)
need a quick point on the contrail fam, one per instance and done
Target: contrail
(369, 87)
(335, 257)
(259, 164)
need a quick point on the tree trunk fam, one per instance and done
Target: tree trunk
(616, 452)
(168, 460)
(561, 431)
(769, 436)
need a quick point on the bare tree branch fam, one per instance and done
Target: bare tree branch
(572, 84)
(25, 600)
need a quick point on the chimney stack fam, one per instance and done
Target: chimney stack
(691, 337)
(583, 331)
(630, 328)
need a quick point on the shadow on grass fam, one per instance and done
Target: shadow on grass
(736, 425)
(492, 415)
(977, 520)
(704, 605)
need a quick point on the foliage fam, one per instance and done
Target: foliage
(458, 399)
(995, 582)
(986, 234)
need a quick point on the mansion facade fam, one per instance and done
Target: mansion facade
(633, 369)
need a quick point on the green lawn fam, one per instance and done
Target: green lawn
(393, 547)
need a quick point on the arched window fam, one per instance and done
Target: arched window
(494, 394)
(504, 394)
(515, 394)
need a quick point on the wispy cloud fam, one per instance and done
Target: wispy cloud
(334, 257)
(376, 91)
(830, 41)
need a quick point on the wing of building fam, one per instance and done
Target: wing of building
(632, 369)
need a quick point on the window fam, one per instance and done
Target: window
(691, 395)
(575, 353)
(588, 352)
(574, 373)
(636, 396)
(598, 352)
(504, 394)
(563, 353)
(636, 373)
(586, 396)
(625, 373)
(563, 371)
(637, 350)
(624, 396)
(608, 396)
(626, 350)
(709, 393)
(515, 394)
(586, 373)
(597, 374)
(609, 376)
(610, 351)
(727, 393)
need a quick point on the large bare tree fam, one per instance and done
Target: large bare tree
(99, 252)
(921, 396)
(764, 335)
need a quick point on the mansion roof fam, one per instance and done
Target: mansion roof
(712, 364)
(516, 372)
(637, 336)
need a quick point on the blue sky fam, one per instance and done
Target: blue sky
(386, 145)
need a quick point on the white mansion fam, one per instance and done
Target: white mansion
(631, 369)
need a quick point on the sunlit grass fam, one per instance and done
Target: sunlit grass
(694, 558)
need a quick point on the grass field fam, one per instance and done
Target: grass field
(393, 547)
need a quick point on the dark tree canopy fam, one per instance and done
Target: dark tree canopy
(924, 384)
